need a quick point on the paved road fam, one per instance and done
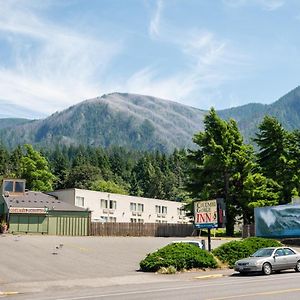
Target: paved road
(273, 287)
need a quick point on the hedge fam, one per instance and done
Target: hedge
(179, 255)
(232, 251)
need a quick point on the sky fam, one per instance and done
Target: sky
(201, 53)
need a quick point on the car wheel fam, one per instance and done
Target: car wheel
(297, 268)
(267, 269)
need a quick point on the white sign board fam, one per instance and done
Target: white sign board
(206, 214)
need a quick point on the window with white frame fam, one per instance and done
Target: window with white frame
(104, 203)
(132, 206)
(112, 204)
(140, 207)
(158, 209)
(164, 210)
(108, 204)
(180, 212)
(136, 207)
(79, 201)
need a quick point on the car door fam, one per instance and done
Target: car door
(291, 258)
(279, 261)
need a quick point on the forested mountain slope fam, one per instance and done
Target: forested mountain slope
(140, 122)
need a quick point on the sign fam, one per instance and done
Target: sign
(23, 210)
(209, 214)
(206, 214)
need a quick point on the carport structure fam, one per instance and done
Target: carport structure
(37, 212)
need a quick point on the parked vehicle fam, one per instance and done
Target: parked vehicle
(270, 259)
(200, 244)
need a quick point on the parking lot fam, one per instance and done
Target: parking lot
(28, 258)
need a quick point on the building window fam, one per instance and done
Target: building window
(132, 206)
(8, 186)
(108, 204)
(133, 220)
(140, 207)
(112, 204)
(157, 209)
(164, 210)
(180, 212)
(103, 203)
(112, 219)
(79, 201)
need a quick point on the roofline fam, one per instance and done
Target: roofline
(70, 189)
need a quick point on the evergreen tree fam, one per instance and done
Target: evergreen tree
(220, 166)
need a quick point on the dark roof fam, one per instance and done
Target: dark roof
(32, 199)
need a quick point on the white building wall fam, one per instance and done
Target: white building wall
(120, 209)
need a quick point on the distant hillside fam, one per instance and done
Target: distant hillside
(129, 120)
(11, 122)
(286, 110)
(139, 122)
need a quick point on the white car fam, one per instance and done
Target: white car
(200, 244)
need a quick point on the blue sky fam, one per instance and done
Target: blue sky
(202, 53)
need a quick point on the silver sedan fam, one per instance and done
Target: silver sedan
(270, 259)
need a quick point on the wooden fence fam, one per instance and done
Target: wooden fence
(141, 229)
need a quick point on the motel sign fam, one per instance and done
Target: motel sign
(209, 214)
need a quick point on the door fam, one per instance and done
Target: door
(280, 261)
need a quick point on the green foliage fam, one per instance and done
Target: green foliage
(232, 251)
(180, 256)
(82, 177)
(36, 171)
(108, 186)
(220, 166)
(278, 157)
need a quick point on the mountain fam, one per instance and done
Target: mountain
(249, 116)
(10, 122)
(140, 122)
(129, 120)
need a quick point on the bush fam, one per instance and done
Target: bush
(180, 256)
(231, 252)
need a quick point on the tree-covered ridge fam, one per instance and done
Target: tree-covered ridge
(140, 122)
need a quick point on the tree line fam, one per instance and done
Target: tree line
(220, 166)
(116, 170)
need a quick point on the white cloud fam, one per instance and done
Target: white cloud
(154, 25)
(268, 5)
(53, 66)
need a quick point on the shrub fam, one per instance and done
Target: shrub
(232, 251)
(180, 256)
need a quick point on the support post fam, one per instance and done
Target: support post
(209, 239)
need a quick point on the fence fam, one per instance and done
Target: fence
(141, 229)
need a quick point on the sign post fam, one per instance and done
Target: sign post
(209, 214)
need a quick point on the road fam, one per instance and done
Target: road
(273, 287)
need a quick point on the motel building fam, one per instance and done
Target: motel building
(109, 207)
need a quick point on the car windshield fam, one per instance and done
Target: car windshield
(263, 252)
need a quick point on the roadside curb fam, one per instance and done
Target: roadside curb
(209, 276)
(8, 293)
